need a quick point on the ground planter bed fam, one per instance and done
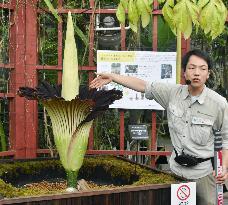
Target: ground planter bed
(111, 181)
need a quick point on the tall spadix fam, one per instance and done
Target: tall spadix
(70, 79)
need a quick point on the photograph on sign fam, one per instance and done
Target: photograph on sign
(147, 65)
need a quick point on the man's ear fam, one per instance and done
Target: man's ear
(184, 74)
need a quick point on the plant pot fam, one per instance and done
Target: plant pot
(133, 181)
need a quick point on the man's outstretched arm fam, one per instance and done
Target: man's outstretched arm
(127, 81)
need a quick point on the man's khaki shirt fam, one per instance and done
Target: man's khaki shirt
(190, 124)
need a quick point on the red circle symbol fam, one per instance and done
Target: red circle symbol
(183, 192)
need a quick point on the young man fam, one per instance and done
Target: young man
(193, 111)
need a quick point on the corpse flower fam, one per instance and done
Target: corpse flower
(71, 108)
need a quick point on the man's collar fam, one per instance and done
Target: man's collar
(185, 92)
(201, 98)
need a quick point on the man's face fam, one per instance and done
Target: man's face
(196, 71)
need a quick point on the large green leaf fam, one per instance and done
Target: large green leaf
(133, 13)
(185, 14)
(181, 15)
(143, 12)
(212, 17)
(193, 11)
(188, 29)
(170, 3)
(202, 3)
(168, 14)
(124, 4)
(136, 9)
(147, 5)
(145, 18)
(141, 7)
(133, 27)
(161, 1)
(52, 10)
(80, 33)
(120, 13)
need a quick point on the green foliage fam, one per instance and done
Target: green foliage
(11, 172)
(120, 172)
(45, 133)
(181, 15)
(75, 4)
(7, 190)
(209, 15)
(2, 138)
(52, 10)
(123, 172)
(3, 127)
(48, 40)
(137, 9)
(4, 35)
(212, 16)
(106, 130)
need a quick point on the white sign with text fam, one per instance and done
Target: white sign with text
(149, 66)
(183, 194)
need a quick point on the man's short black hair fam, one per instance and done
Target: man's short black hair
(196, 52)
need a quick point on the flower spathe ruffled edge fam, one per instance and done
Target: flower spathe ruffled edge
(101, 99)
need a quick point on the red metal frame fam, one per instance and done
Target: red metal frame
(24, 65)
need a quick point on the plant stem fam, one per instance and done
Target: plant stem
(72, 178)
(178, 60)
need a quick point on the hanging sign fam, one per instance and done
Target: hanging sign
(138, 132)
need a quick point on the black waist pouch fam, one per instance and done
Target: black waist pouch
(186, 160)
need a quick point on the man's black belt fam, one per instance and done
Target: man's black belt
(188, 160)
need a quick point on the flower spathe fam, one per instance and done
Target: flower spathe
(71, 120)
(70, 80)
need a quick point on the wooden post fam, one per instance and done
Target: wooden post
(121, 130)
(23, 54)
(31, 60)
(155, 48)
(60, 45)
(17, 104)
(91, 63)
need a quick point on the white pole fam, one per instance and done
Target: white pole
(218, 165)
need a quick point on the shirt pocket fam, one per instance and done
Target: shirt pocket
(201, 130)
(175, 116)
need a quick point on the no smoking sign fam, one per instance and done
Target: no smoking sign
(183, 194)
